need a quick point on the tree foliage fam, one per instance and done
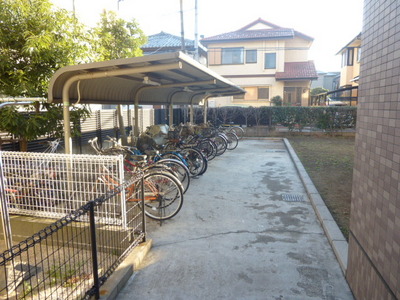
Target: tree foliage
(318, 90)
(35, 40)
(34, 122)
(116, 38)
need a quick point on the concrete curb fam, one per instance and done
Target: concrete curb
(114, 284)
(331, 229)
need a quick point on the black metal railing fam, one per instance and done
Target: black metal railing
(74, 256)
(344, 96)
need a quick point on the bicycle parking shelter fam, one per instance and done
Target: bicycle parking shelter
(162, 79)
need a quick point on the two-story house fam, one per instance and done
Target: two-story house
(266, 60)
(350, 71)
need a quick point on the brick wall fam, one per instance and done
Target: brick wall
(374, 245)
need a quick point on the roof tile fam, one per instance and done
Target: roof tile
(165, 40)
(298, 70)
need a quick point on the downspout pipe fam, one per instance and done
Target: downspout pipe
(101, 74)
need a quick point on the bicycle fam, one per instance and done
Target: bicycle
(163, 195)
(132, 156)
(163, 192)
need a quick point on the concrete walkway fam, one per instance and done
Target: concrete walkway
(247, 230)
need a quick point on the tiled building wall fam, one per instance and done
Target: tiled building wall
(374, 245)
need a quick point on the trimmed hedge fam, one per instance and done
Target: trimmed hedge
(330, 118)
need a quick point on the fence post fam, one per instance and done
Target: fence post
(94, 251)
(5, 216)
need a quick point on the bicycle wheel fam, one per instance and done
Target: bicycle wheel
(221, 143)
(177, 168)
(173, 155)
(232, 139)
(239, 131)
(208, 148)
(163, 196)
(196, 160)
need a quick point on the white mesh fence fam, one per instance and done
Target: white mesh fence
(52, 185)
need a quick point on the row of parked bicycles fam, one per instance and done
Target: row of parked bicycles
(169, 158)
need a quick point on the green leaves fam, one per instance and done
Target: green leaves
(116, 38)
(35, 41)
(30, 125)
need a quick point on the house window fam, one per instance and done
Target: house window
(263, 93)
(270, 61)
(238, 97)
(251, 56)
(348, 57)
(358, 54)
(214, 56)
(231, 56)
(254, 93)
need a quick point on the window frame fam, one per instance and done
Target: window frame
(267, 60)
(232, 50)
(254, 56)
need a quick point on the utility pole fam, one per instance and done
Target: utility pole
(196, 31)
(118, 1)
(182, 29)
(73, 8)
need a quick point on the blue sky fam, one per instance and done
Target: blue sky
(332, 24)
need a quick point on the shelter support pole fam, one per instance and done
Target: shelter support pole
(121, 125)
(136, 127)
(170, 114)
(205, 107)
(191, 113)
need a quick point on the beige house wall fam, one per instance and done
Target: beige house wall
(249, 75)
(293, 52)
(348, 73)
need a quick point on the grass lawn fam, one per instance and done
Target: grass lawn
(329, 162)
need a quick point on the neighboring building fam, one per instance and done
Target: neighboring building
(164, 42)
(264, 59)
(327, 80)
(351, 54)
(373, 270)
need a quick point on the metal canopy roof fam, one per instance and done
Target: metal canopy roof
(173, 78)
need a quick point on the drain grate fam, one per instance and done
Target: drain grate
(293, 197)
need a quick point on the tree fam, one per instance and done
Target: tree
(116, 38)
(277, 100)
(318, 90)
(35, 41)
(246, 112)
(32, 123)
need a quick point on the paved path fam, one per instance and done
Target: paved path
(236, 238)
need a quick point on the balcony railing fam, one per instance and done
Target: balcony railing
(345, 96)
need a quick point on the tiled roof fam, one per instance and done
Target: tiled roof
(165, 40)
(298, 70)
(274, 33)
(246, 33)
